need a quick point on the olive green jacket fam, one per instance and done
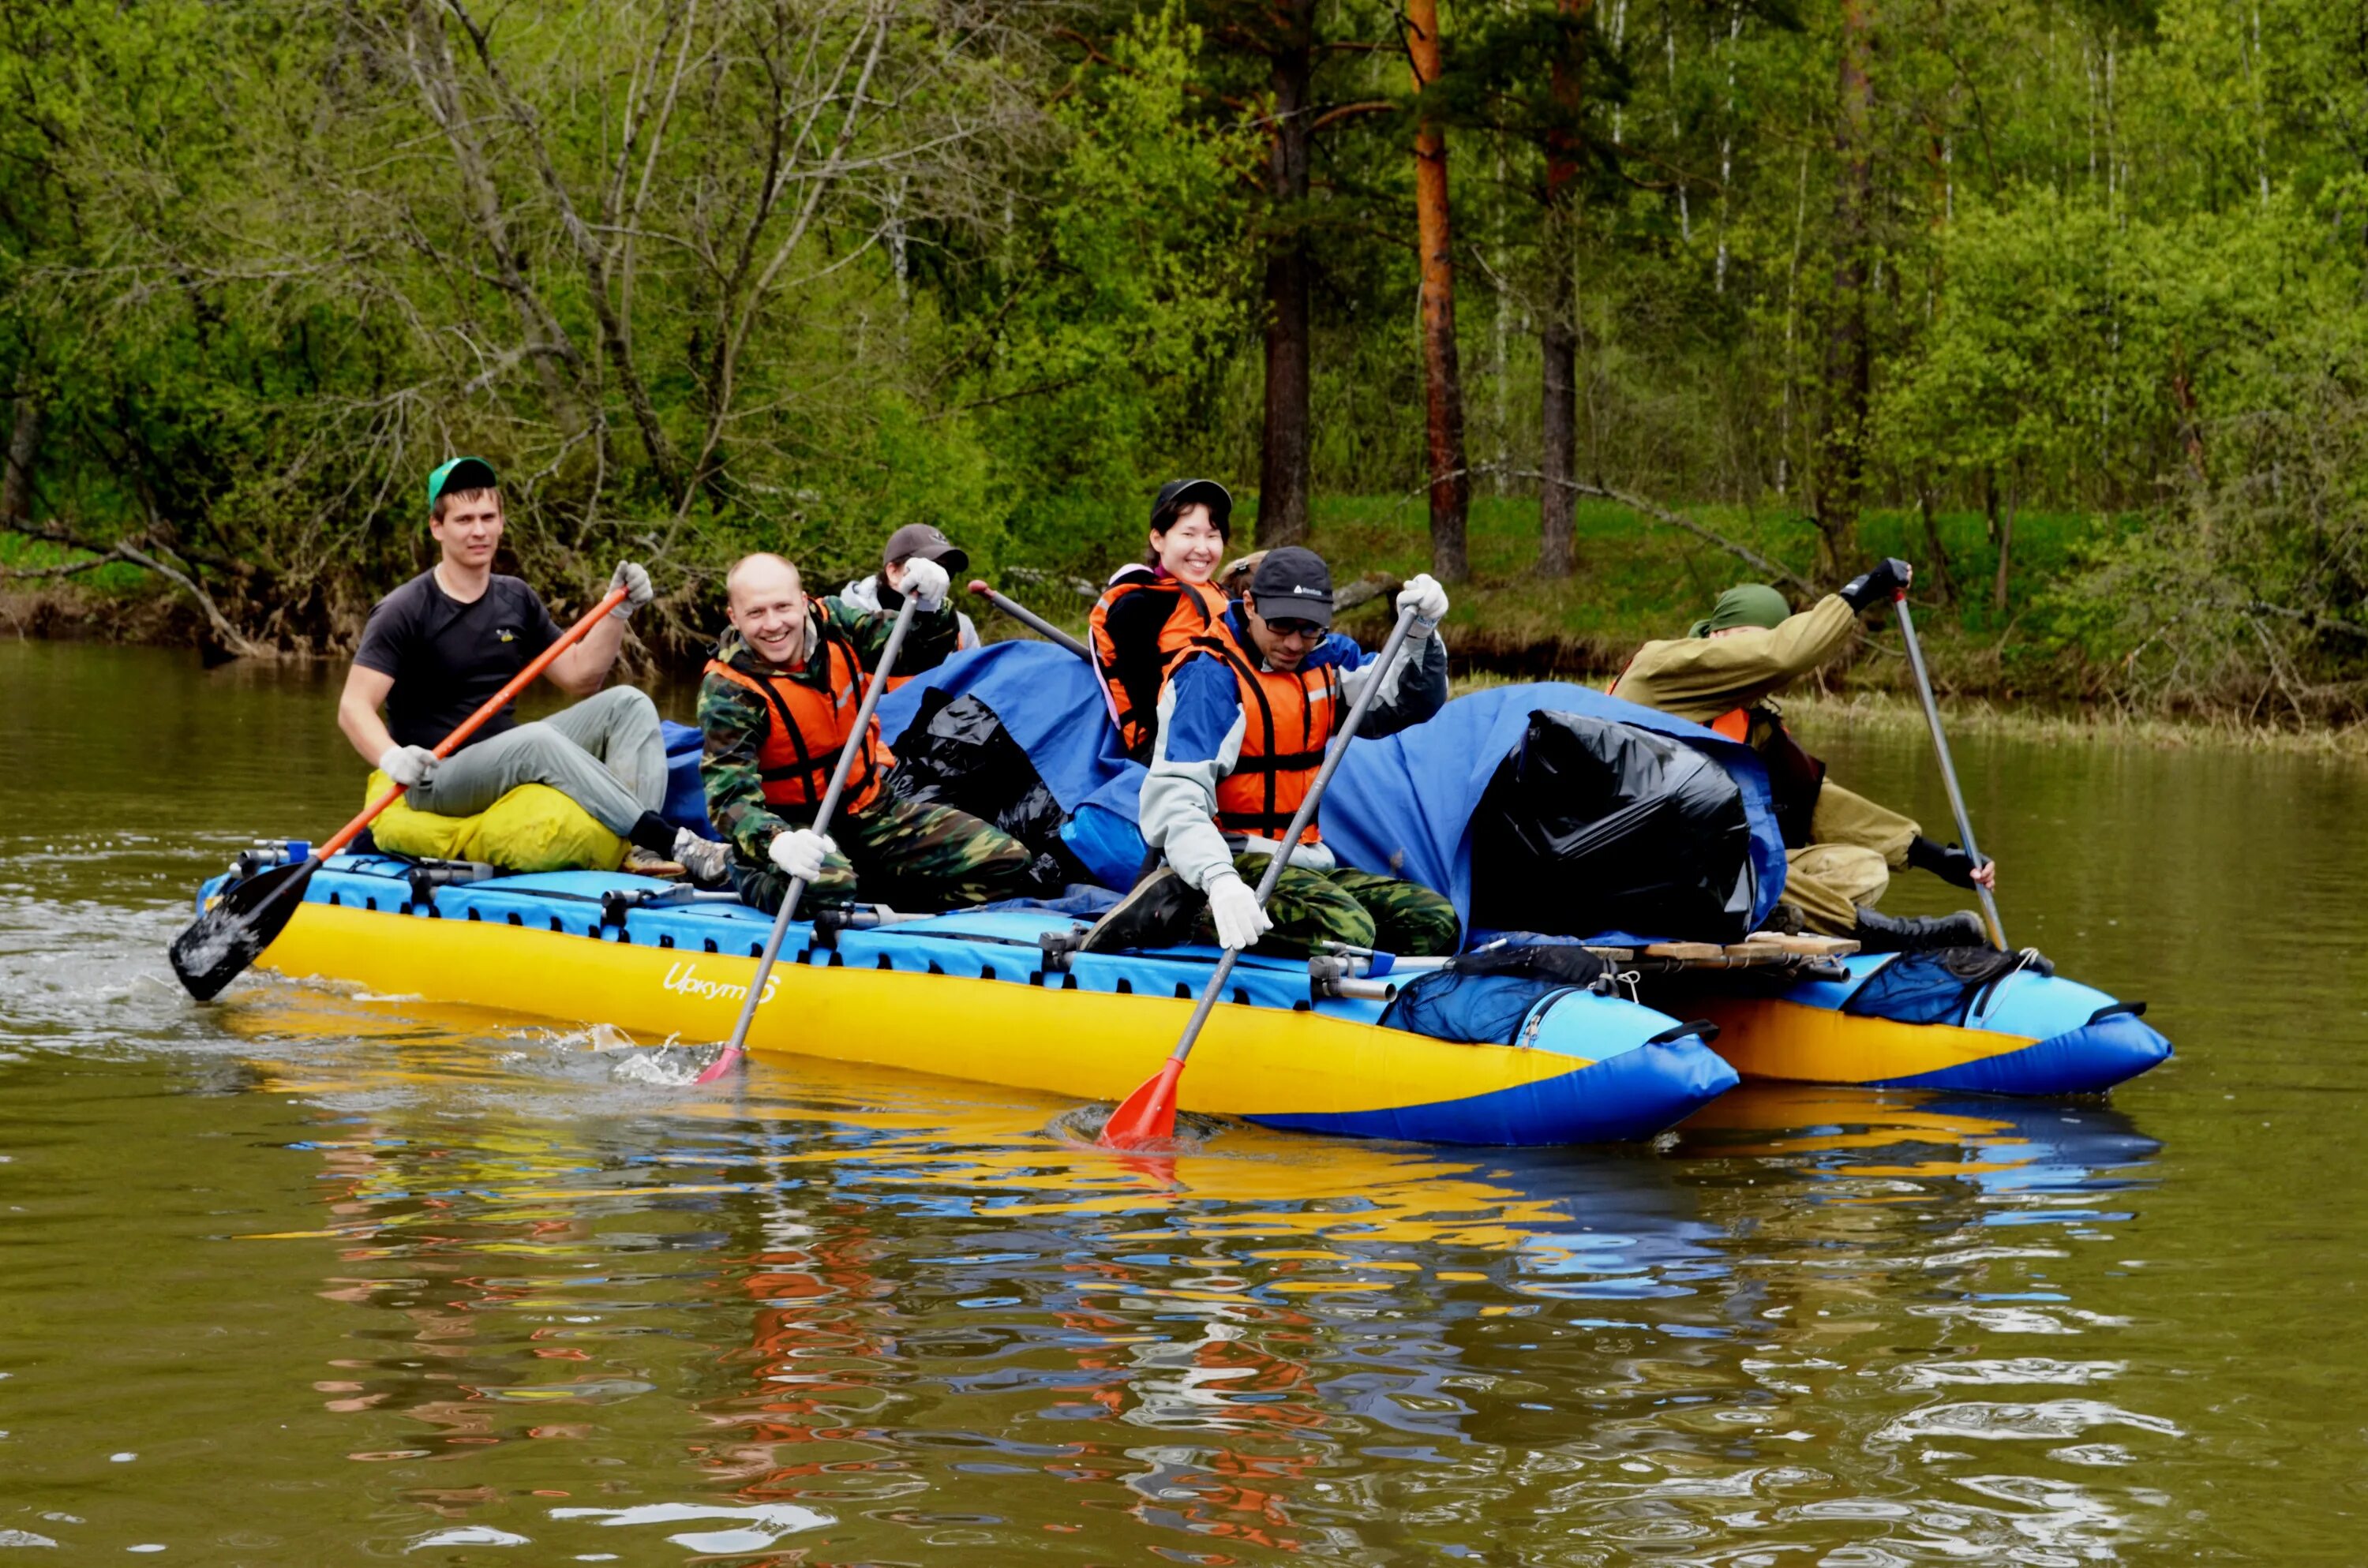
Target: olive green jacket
(1702, 678)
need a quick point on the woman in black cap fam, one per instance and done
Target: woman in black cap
(1155, 607)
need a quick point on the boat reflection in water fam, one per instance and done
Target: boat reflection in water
(860, 1312)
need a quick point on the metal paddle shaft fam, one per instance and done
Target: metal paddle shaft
(1948, 767)
(1150, 1112)
(1030, 619)
(734, 1048)
(215, 949)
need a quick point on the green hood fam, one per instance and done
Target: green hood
(1746, 604)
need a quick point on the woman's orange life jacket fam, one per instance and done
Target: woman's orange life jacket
(809, 725)
(1131, 674)
(1287, 717)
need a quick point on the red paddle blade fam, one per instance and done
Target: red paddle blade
(1148, 1115)
(215, 949)
(723, 1066)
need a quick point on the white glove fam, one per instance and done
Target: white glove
(1423, 596)
(630, 576)
(408, 766)
(799, 852)
(926, 581)
(1240, 922)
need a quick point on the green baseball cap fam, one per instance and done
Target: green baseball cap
(460, 473)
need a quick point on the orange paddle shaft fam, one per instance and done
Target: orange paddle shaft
(474, 722)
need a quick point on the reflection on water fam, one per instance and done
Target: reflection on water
(314, 1275)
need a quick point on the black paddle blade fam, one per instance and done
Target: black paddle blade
(215, 949)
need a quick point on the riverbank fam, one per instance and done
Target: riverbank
(1639, 575)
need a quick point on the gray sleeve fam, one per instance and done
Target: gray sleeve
(384, 635)
(1178, 804)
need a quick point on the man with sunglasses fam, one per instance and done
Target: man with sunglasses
(1244, 716)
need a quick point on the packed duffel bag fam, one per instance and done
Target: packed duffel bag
(532, 828)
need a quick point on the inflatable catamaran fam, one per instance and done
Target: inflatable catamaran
(1615, 865)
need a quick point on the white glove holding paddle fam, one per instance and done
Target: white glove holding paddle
(630, 576)
(799, 852)
(1423, 596)
(926, 581)
(1235, 909)
(408, 766)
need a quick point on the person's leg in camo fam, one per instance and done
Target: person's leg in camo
(909, 856)
(1305, 906)
(1408, 918)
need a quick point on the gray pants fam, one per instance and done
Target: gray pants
(606, 754)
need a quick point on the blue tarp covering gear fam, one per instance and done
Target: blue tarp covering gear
(1936, 986)
(1401, 806)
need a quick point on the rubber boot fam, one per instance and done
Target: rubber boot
(1158, 912)
(1878, 933)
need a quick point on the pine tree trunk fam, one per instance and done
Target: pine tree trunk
(1450, 486)
(1850, 351)
(1283, 453)
(1558, 334)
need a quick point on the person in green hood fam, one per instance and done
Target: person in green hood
(1840, 848)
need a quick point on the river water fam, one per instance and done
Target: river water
(308, 1276)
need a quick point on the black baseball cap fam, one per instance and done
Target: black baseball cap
(1178, 493)
(1292, 584)
(921, 539)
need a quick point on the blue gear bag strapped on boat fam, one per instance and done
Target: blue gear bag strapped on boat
(686, 799)
(1406, 806)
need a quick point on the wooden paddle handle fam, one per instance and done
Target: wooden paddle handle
(474, 722)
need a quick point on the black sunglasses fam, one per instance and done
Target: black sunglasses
(1295, 627)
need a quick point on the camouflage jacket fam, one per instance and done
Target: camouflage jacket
(734, 721)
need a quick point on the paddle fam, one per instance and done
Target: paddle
(215, 949)
(1030, 619)
(1948, 767)
(1148, 1115)
(737, 1047)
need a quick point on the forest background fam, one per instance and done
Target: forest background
(1592, 306)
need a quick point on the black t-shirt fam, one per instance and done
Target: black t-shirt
(447, 657)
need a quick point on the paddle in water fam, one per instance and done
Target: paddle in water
(1148, 1115)
(736, 1048)
(1948, 767)
(216, 947)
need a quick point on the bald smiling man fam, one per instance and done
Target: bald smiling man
(778, 704)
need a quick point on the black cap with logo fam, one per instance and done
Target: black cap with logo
(1291, 583)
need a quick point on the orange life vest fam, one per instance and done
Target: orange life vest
(809, 727)
(1194, 609)
(1286, 720)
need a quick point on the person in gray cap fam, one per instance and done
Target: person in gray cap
(881, 593)
(1243, 719)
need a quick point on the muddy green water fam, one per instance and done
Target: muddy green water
(312, 1278)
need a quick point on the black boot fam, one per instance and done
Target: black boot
(1158, 912)
(1878, 933)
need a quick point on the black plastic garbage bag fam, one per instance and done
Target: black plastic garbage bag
(956, 752)
(1594, 826)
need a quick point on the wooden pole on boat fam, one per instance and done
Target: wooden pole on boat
(737, 1047)
(1948, 767)
(215, 949)
(1148, 1115)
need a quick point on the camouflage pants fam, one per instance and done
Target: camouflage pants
(907, 856)
(1342, 905)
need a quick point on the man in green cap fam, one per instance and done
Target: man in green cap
(1840, 848)
(437, 647)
